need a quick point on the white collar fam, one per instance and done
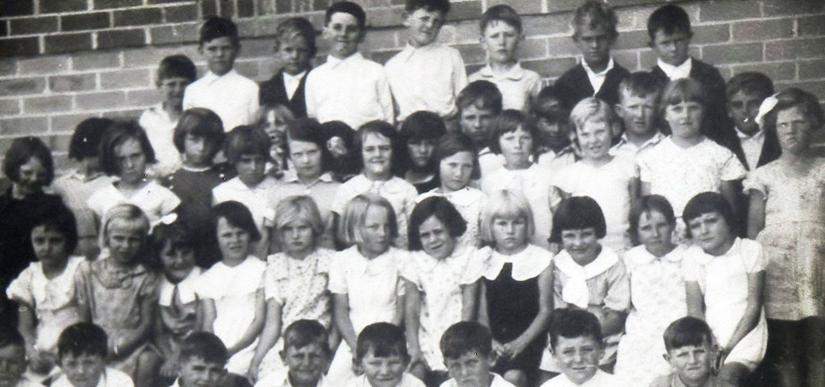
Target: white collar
(514, 73)
(575, 291)
(325, 177)
(744, 136)
(463, 197)
(676, 72)
(289, 78)
(186, 288)
(657, 136)
(527, 263)
(334, 61)
(602, 73)
(211, 77)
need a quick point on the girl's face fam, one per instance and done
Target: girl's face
(177, 262)
(49, 245)
(711, 232)
(377, 154)
(421, 151)
(435, 238)
(306, 158)
(375, 234)
(297, 238)
(131, 161)
(793, 129)
(251, 168)
(233, 241)
(594, 139)
(516, 147)
(685, 119)
(582, 244)
(456, 171)
(655, 232)
(31, 176)
(197, 150)
(124, 239)
(510, 233)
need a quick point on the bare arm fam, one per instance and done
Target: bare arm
(401, 302)
(756, 213)
(412, 322)
(483, 312)
(539, 324)
(695, 300)
(209, 313)
(341, 317)
(269, 335)
(469, 300)
(255, 327)
(125, 344)
(756, 284)
(728, 191)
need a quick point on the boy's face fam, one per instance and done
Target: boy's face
(423, 26)
(475, 123)
(383, 371)
(12, 365)
(671, 49)
(594, 139)
(197, 372)
(220, 54)
(578, 357)
(294, 53)
(637, 113)
(471, 369)
(177, 262)
(306, 364)
(49, 245)
(172, 90)
(197, 150)
(742, 108)
(691, 362)
(501, 41)
(83, 370)
(594, 44)
(344, 34)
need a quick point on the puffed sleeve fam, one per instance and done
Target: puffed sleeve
(337, 274)
(473, 270)
(732, 168)
(753, 256)
(755, 181)
(618, 289)
(20, 289)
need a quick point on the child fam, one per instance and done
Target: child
(426, 75)
(231, 291)
(125, 152)
(44, 291)
(119, 294)
(690, 351)
(657, 290)
(13, 358)
(202, 360)
(441, 283)
(599, 175)
(787, 218)
(686, 162)
(518, 286)
(274, 121)
(230, 95)
(377, 141)
(588, 275)
(419, 134)
(467, 347)
(725, 278)
(365, 279)
(340, 142)
(638, 99)
(745, 93)
(554, 147)
(347, 87)
(82, 349)
(198, 137)
(382, 356)
(306, 355)
(457, 163)
(247, 148)
(295, 279)
(175, 72)
(501, 34)
(576, 345)
(77, 185)
(294, 48)
(594, 32)
(478, 104)
(513, 137)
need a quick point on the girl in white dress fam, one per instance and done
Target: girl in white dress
(725, 280)
(231, 291)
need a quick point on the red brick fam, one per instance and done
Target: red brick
(150, 58)
(706, 34)
(138, 17)
(323, 4)
(103, 4)
(777, 71)
(472, 53)
(552, 24)
(85, 21)
(19, 47)
(66, 122)
(95, 101)
(246, 8)
(562, 46)
(143, 97)
(33, 25)
(533, 48)
(24, 126)
(4, 28)
(553, 67)
(283, 6)
(465, 10)
(208, 8)
(8, 67)
(562, 5)
(247, 28)
(73, 43)
(59, 6)
(175, 34)
(382, 39)
(732, 53)
(75, 82)
(629, 59)
(95, 60)
(17, 8)
(130, 114)
(22, 86)
(125, 79)
(382, 56)
(50, 104)
(791, 7)
(182, 13)
(44, 65)
(523, 7)
(811, 25)
(794, 49)
(58, 143)
(816, 88)
(226, 8)
(727, 10)
(9, 107)
(384, 17)
(761, 30)
(120, 38)
(631, 40)
(247, 68)
(167, 1)
(810, 69)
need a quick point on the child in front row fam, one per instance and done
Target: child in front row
(467, 348)
(306, 355)
(577, 347)
(690, 351)
(202, 360)
(382, 357)
(13, 358)
(82, 350)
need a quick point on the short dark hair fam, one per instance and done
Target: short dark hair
(452, 143)
(669, 19)
(645, 205)
(86, 138)
(384, 339)
(237, 215)
(750, 82)
(481, 94)
(707, 202)
(296, 26)
(500, 13)
(510, 120)
(640, 84)
(442, 6)
(199, 122)
(203, 345)
(246, 140)
(791, 97)
(117, 134)
(304, 332)
(441, 209)
(347, 7)
(385, 129)
(59, 218)
(83, 338)
(577, 213)
(218, 27)
(571, 323)
(11, 337)
(23, 149)
(558, 114)
(593, 14)
(176, 235)
(687, 331)
(177, 66)
(309, 130)
(466, 337)
(418, 126)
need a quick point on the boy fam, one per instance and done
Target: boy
(230, 95)
(576, 344)
(294, 48)
(175, 73)
(594, 32)
(426, 75)
(202, 362)
(745, 93)
(381, 353)
(81, 352)
(478, 104)
(306, 355)
(13, 359)
(347, 87)
(501, 34)
(690, 351)
(555, 149)
(467, 347)
(638, 99)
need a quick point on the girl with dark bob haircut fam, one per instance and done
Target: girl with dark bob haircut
(708, 202)
(441, 209)
(21, 151)
(117, 134)
(646, 205)
(237, 215)
(577, 213)
(309, 130)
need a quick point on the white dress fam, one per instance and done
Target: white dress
(469, 202)
(154, 199)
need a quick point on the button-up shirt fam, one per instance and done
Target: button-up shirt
(426, 78)
(517, 85)
(233, 97)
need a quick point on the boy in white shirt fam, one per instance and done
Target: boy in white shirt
(638, 100)
(306, 355)
(381, 354)
(467, 347)
(13, 358)
(82, 350)
(576, 344)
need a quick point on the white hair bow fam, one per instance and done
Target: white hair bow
(766, 107)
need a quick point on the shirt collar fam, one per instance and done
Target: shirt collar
(334, 62)
(514, 73)
(211, 77)
(658, 136)
(186, 288)
(676, 72)
(290, 78)
(292, 177)
(592, 73)
(744, 136)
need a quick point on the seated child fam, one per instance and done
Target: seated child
(306, 355)
(274, 121)
(13, 358)
(175, 72)
(745, 92)
(347, 87)
(577, 346)
(419, 134)
(202, 360)
(82, 350)
(467, 347)
(690, 352)
(294, 48)
(478, 104)
(340, 142)
(594, 32)
(639, 96)
(426, 75)
(230, 95)
(382, 356)
(554, 148)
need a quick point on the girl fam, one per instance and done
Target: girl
(725, 280)
(231, 291)
(554, 149)
(45, 290)
(441, 284)
(517, 287)
(340, 142)
(419, 134)
(274, 121)
(118, 293)
(599, 175)
(512, 136)
(376, 141)
(657, 291)
(787, 217)
(125, 152)
(295, 282)
(457, 163)
(365, 278)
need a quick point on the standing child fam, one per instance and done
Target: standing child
(231, 291)
(274, 121)
(419, 134)
(119, 294)
(383, 358)
(577, 346)
(467, 347)
(638, 100)
(725, 280)
(478, 105)
(516, 298)
(554, 148)
(305, 353)
(294, 49)
(745, 92)
(82, 349)
(13, 357)
(690, 350)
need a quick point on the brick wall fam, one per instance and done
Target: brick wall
(64, 60)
